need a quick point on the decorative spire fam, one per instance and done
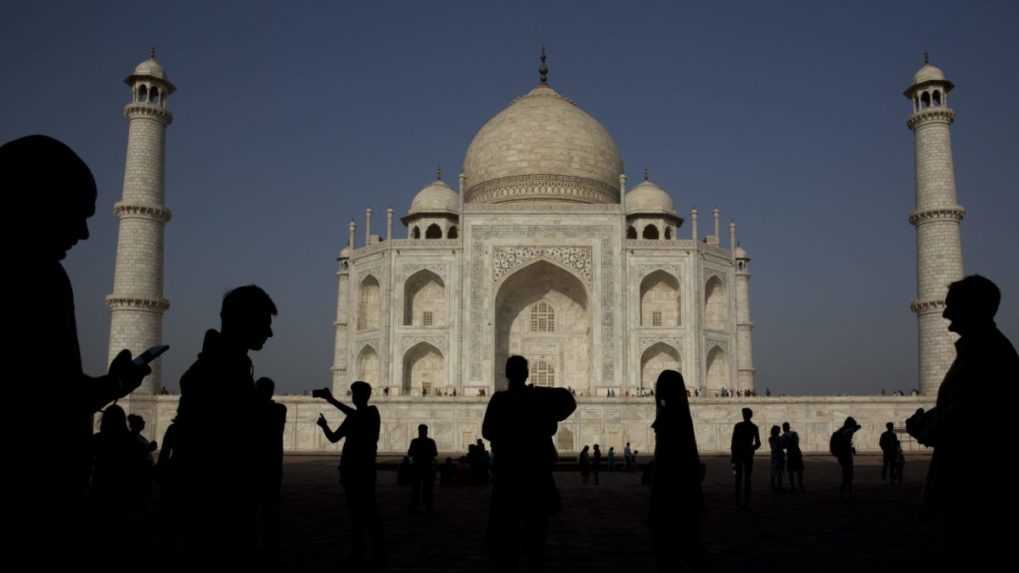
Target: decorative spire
(645, 174)
(152, 53)
(543, 68)
(438, 173)
(926, 58)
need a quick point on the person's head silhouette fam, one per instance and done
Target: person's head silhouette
(246, 316)
(775, 430)
(516, 371)
(747, 414)
(785, 426)
(113, 420)
(851, 424)
(43, 175)
(265, 388)
(971, 305)
(136, 423)
(890, 426)
(360, 392)
(670, 389)
(422, 430)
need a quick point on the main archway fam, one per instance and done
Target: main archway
(541, 313)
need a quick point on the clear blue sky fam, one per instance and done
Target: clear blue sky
(291, 118)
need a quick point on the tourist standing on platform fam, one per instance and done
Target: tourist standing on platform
(610, 459)
(677, 501)
(584, 462)
(794, 456)
(889, 444)
(520, 423)
(841, 446)
(627, 457)
(218, 400)
(596, 462)
(272, 421)
(360, 428)
(777, 458)
(422, 454)
(973, 416)
(42, 175)
(746, 439)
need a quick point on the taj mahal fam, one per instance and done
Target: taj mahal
(542, 247)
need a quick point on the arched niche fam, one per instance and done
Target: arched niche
(658, 357)
(659, 300)
(424, 370)
(424, 300)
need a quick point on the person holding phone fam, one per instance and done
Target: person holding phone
(43, 176)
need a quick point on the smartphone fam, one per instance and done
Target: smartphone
(150, 354)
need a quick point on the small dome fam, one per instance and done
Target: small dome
(741, 253)
(928, 73)
(648, 198)
(150, 67)
(437, 197)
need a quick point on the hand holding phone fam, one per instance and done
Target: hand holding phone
(150, 354)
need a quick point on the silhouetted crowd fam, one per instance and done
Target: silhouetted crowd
(220, 467)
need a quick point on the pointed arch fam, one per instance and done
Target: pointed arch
(369, 305)
(716, 370)
(433, 231)
(143, 93)
(659, 300)
(154, 94)
(716, 304)
(658, 357)
(650, 232)
(416, 232)
(424, 370)
(631, 232)
(368, 365)
(668, 233)
(925, 100)
(937, 98)
(424, 300)
(522, 293)
(453, 233)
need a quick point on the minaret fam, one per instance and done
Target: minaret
(340, 369)
(936, 218)
(137, 304)
(744, 347)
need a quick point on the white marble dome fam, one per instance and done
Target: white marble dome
(928, 73)
(649, 198)
(150, 67)
(542, 147)
(437, 197)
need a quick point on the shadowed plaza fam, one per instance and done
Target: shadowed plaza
(603, 527)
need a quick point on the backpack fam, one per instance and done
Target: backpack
(837, 445)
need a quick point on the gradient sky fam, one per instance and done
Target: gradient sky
(291, 118)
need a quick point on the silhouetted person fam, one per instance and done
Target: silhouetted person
(610, 459)
(584, 463)
(40, 175)
(794, 456)
(841, 446)
(120, 480)
(520, 422)
(480, 462)
(168, 478)
(746, 439)
(271, 422)
(777, 458)
(360, 428)
(596, 462)
(217, 401)
(899, 466)
(422, 454)
(889, 444)
(979, 393)
(677, 501)
(627, 457)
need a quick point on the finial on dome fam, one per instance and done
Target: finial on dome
(926, 58)
(543, 68)
(438, 173)
(152, 53)
(645, 174)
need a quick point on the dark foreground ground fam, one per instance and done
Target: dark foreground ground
(602, 528)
